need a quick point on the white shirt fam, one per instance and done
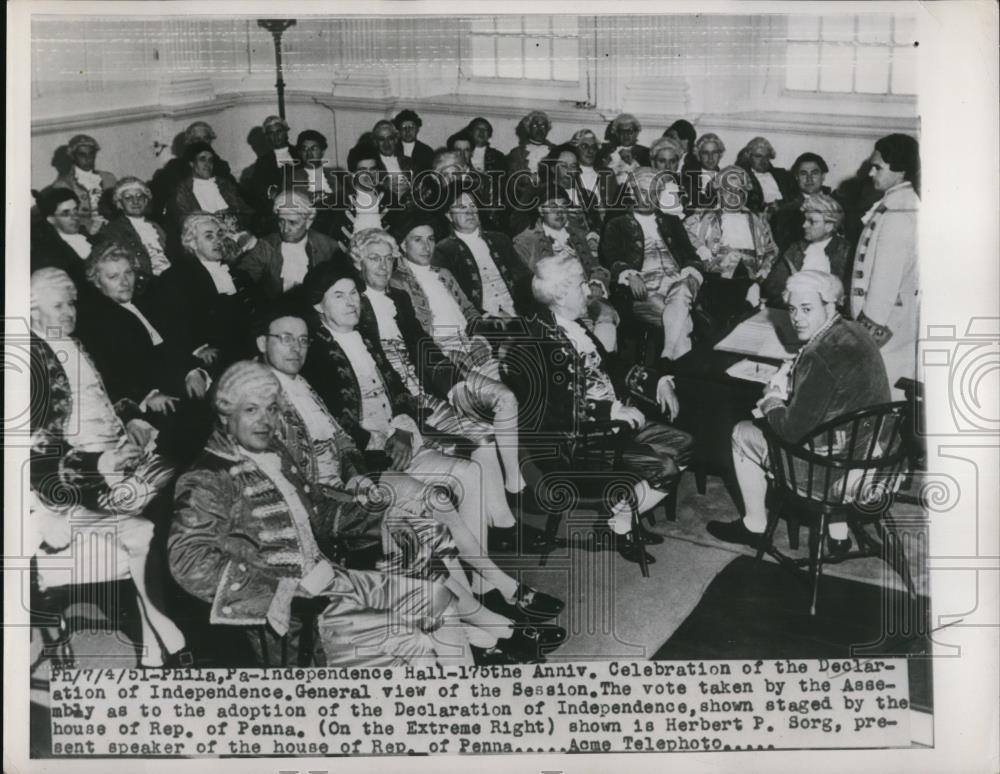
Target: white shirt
(313, 414)
(588, 177)
(647, 222)
(151, 241)
(736, 231)
(283, 156)
(391, 163)
(816, 258)
(449, 322)
(385, 314)
(768, 185)
(496, 295)
(408, 149)
(294, 263)
(221, 277)
(376, 411)
(560, 238)
(78, 242)
(153, 333)
(96, 426)
(367, 211)
(577, 335)
(208, 195)
(535, 154)
(479, 158)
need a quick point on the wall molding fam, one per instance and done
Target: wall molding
(835, 125)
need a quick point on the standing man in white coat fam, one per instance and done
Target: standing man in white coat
(885, 285)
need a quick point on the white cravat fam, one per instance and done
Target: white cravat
(536, 153)
(151, 241)
(816, 258)
(208, 195)
(294, 263)
(768, 185)
(367, 211)
(496, 295)
(314, 416)
(736, 231)
(153, 333)
(588, 177)
(449, 322)
(479, 158)
(408, 149)
(221, 277)
(560, 238)
(391, 163)
(647, 222)
(385, 314)
(282, 156)
(78, 242)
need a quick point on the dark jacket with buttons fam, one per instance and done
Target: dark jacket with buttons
(547, 375)
(455, 256)
(121, 231)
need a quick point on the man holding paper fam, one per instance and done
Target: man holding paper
(837, 371)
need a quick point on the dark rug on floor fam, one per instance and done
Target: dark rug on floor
(751, 612)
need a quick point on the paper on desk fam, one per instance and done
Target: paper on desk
(763, 335)
(752, 371)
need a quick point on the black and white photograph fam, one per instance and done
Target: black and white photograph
(524, 379)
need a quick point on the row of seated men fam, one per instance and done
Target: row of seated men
(358, 377)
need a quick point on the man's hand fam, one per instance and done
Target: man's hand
(638, 287)
(161, 404)
(667, 398)
(693, 284)
(207, 355)
(630, 414)
(140, 433)
(399, 448)
(195, 384)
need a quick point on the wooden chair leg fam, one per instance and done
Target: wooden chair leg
(816, 542)
(700, 477)
(552, 523)
(793, 531)
(670, 501)
(773, 517)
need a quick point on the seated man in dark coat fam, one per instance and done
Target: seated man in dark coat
(654, 268)
(567, 379)
(137, 360)
(420, 154)
(821, 248)
(280, 261)
(133, 231)
(166, 178)
(202, 300)
(485, 263)
(56, 236)
(837, 371)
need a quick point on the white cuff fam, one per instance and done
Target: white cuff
(705, 254)
(204, 374)
(625, 276)
(668, 379)
(691, 271)
(199, 349)
(152, 394)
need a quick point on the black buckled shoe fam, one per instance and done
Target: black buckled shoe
(529, 604)
(837, 550)
(734, 532)
(495, 656)
(531, 642)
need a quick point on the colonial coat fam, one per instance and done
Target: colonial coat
(885, 286)
(455, 256)
(838, 250)
(623, 244)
